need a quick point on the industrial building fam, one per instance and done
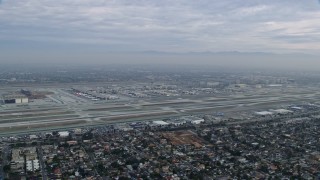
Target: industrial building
(15, 99)
(282, 111)
(192, 119)
(264, 113)
(273, 112)
(63, 134)
(160, 123)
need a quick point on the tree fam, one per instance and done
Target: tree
(56, 160)
(6, 168)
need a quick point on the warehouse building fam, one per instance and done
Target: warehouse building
(15, 99)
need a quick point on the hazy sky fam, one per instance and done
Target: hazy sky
(69, 26)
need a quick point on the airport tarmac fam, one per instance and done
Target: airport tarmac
(67, 110)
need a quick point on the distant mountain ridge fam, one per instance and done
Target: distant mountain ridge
(222, 53)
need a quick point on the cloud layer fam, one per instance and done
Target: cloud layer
(178, 26)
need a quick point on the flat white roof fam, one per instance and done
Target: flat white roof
(296, 107)
(282, 111)
(190, 118)
(275, 85)
(160, 123)
(197, 121)
(263, 113)
(64, 133)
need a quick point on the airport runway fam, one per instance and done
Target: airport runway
(35, 117)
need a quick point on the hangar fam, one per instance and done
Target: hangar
(15, 99)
